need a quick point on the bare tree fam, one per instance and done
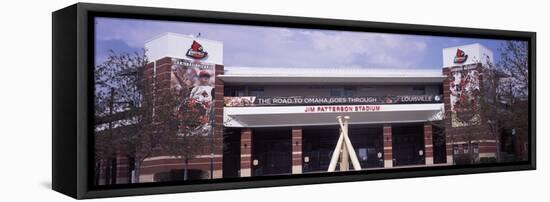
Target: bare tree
(514, 62)
(119, 93)
(514, 89)
(469, 119)
(504, 92)
(190, 125)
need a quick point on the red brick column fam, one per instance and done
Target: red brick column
(157, 76)
(296, 150)
(246, 152)
(388, 156)
(448, 117)
(428, 144)
(218, 123)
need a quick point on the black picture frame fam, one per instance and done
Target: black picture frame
(72, 103)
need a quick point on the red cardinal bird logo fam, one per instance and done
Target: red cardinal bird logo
(460, 56)
(196, 51)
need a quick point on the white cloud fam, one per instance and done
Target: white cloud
(264, 46)
(366, 49)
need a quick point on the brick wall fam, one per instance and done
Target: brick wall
(158, 84)
(296, 150)
(246, 152)
(428, 144)
(388, 156)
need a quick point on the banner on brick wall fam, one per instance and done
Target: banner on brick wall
(193, 85)
(464, 88)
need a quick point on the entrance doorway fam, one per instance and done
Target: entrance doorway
(231, 152)
(408, 144)
(367, 140)
(319, 142)
(271, 151)
(439, 144)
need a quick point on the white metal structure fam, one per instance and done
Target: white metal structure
(344, 149)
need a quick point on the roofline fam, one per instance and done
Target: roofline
(178, 34)
(328, 80)
(328, 76)
(467, 45)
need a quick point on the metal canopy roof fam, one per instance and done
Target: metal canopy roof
(295, 115)
(273, 75)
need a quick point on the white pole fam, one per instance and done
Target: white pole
(336, 154)
(347, 141)
(344, 150)
(344, 160)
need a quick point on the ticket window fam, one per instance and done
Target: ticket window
(271, 151)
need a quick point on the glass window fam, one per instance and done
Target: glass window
(419, 89)
(363, 154)
(349, 91)
(336, 92)
(234, 91)
(256, 91)
(475, 148)
(240, 92)
(455, 149)
(465, 148)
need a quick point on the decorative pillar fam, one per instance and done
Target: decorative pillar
(246, 152)
(448, 115)
(296, 150)
(428, 144)
(217, 153)
(388, 156)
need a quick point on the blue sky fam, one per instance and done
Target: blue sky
(289, 47)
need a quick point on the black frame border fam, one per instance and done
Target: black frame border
(79, 184)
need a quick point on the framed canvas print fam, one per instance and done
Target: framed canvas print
(156, 100)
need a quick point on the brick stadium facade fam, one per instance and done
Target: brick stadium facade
(158, 74)
(292, 140)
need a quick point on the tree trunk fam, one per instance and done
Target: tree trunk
(137, 168)
(185, 169)
(494, 130)
(497, 142)
(107, 171)
(97, 172)
(471, 152)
